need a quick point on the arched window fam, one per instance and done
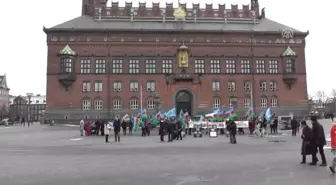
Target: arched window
(86, 104)
(247, 102)
(216, 102)
(98, 104)
(274, 101)
(134, 104)
(150, 104)
(263, 101)
(117, 104)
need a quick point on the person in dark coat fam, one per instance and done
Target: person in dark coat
(117, 126)
(179, 130)
(170, 130)
(318, 142)
(162, 130)
(252, 125)
(275, 122)
(102, 127)
(233, 132)
(294, 124)
(97, 126)
(306, 136)
(124, 127)
(130, 127)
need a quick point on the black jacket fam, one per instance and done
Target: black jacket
(294, 123)
(116, 126)
(318, 134)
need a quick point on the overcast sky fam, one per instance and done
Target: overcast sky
(24, 49)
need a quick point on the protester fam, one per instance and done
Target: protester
(318, 142)
(107, 128)
(81, 127)
(306, 137)
(162, 130)
(117, 126)
(333, 147)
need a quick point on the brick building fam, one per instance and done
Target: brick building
(115, 60)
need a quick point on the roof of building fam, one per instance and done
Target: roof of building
(88, 23)
(289, 52)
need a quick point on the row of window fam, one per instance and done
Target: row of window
(151, 86)
(134, 103)
(231, 85)
(167, 66)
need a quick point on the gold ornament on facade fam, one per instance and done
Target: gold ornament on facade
(183, 59)
(179, 13)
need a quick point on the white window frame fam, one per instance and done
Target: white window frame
(215, 66)
(134, 66)
(230, 66)
(273, 67)
(100, 67)
(199, 66)
(117, 86)
(98, 104)
(85, 66)
(245, 66)
(263, 85)
(263, 102)
(167, 66)
(232, 86)
(150, 66)
(117, 66)
(86, 86)
(247, 102)
(247, 86)
(134, 104)
(274, 101)
(216, 86)
(117, 104)
(230, 104)
(260, 66)
(150, 86)
(86, 104)
(150, 104)
(216, 103)
(273, 85)
(98, 86)
(134, 86)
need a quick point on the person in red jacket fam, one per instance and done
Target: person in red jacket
(333, 147)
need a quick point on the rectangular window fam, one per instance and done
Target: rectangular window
(134, 86)
(245, 66)
(247, 86)
(98, 104)
(214, 66)
(66, 65)
(260, 66)
(232, 86)
(215, 86)
(98, 86)
(290, 66)
(167, 66)
(273, 85)
(117, 86)
(100, 66)
(117, 66)
(216, 102)
(263, 85)
(134, 66)
(150, 66)
(199, 66)
(247, 102)
(230, 66)
(86, 86)
(151, 86)
(85, 66)
(273, 66)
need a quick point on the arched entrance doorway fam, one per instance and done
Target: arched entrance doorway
(183, 100)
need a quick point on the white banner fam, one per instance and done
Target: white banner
(240, 124)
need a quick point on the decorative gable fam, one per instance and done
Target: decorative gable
(289, 52)
(67, 51)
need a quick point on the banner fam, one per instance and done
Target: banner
(240, 124)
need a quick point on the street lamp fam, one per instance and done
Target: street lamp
(29, 95)
(157, 101)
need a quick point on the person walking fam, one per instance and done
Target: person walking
(306, 137)
(294, 124)
(333, 147)
(162, 130)
(117, 126)
(107, 128)
(81, 127)
(318, 142)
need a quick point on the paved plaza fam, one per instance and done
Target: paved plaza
(44, 155)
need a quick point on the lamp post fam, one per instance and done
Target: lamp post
(310, 105)
(29, 95)
(157, 101)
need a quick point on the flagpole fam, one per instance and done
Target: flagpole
(141, 95)
(252, 97)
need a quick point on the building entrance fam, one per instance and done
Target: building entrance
(183, 102)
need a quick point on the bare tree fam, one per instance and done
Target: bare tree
(333, 94)
(321, 97)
